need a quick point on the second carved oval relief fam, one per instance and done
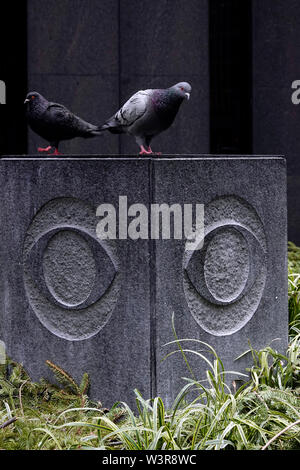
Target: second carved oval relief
(224, 279)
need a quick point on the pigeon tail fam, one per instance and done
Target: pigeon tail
(97, 132)
(94, 132)
(105, 127)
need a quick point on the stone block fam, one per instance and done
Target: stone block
(105, 306)
(66, 296)
(234, 289)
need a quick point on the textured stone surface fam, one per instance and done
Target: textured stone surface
(234, 289)
(231, 262)
(2, 353)
(66, 296)
(105, 307)
(69, 268)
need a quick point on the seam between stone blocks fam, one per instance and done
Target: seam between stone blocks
(152, 276)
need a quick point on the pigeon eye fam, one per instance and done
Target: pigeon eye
(181, 88)
(33, 97)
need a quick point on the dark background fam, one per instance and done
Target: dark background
(240, 57)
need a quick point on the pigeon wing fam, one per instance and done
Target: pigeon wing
(65, 122)
(130, 112)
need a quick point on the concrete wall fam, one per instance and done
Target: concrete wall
(92, 55)
(276, 64)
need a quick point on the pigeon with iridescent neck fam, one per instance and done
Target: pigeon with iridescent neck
(54, 123)
(148, 113)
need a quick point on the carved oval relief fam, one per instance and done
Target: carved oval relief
(226, 265)
(72, 279)
(224, 279)
(69, 268)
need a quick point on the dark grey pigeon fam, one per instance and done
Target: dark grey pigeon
(147, 113)
(54, 122)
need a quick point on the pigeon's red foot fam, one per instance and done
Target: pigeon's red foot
(56, 152)
(144, 151)
(47, 149)
(154, 153)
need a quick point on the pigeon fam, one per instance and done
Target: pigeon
(54, 122)
(147, 113)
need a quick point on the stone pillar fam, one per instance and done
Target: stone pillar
(105, 306)
(234, 289)
(66, 296)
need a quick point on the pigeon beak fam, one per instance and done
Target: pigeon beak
(187, 96)
(26, 101)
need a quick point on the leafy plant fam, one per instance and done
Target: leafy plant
(69, 383)
(294, 302)
(207, 414)
(294, 257)
(263, 413)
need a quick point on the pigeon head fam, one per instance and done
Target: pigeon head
(35, 100)
(182, 90)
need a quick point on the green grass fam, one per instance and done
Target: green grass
(294, 257)
(294, 288)
(264, 413)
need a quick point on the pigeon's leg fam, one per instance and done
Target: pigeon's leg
(144, 151)
(148, 140)
(56, 152)
(47, 149)
(154, 153)
(142, 143)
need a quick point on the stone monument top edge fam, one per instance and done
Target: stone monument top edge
(183, 156)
